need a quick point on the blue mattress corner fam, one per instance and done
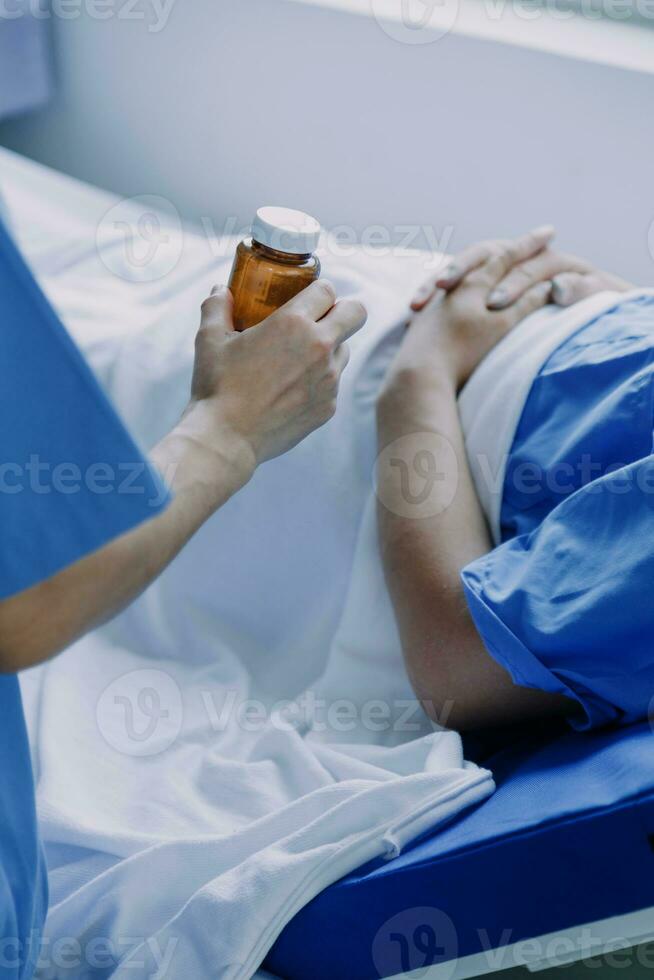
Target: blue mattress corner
(567, 839)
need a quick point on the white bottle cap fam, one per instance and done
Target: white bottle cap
(286, 230)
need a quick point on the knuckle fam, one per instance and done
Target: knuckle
(295, 323)
(469, 285)
(201, 335)
(494, 266)
(297, 402)
(565, 262)
(524, 272)
(496, 248)
(580, 265)
(328, 410)
(505, 255)
(321, 348)
(358, 311)
(325, 287)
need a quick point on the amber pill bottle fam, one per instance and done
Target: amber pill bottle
(274, 265)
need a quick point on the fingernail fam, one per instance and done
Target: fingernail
(497, 299)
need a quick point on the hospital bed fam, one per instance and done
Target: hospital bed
(562, 855)
(557, 866)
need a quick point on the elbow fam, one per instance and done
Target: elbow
(441, 655)
(21, 652)
(446, 708)
(11, 662)
(24, 642)
(445, 698)
(33, 627)
(449, 713)
(16, 655)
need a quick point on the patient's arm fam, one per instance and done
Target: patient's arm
(460, 684)
(254, 396)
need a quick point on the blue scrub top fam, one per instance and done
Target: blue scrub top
(71, 479)
(565, 602)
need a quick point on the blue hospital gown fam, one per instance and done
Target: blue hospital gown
(71, 479)
(564, 603)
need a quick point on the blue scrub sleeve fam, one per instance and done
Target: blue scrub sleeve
(71, 477)
(568, 607)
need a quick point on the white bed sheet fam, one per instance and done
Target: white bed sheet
(223, 824)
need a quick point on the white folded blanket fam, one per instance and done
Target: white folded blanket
(187, 814)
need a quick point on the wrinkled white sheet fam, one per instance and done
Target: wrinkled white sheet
(187, 812)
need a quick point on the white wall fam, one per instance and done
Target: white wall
(242, 102)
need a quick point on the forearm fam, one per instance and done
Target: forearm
(46, 618)
(460, 684)
(424, 552)
(423, 556)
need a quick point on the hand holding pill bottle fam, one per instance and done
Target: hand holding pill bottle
(274, 265)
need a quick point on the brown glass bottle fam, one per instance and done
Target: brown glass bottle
(274, 265)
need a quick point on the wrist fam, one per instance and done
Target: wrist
(414, 402)
(203, 450)
(426, 358)
(409, 387)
